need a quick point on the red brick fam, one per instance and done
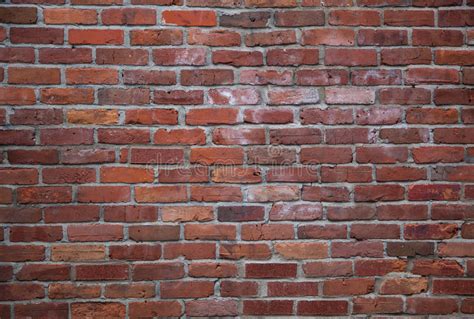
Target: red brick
(237, 58)
(71, 291)
(262, 77)
(102, 272)
(190, 250)
(212, 308)
(156, 116)
(453, 57)
(292, 57)
(37, 35)
(249, 19)
(121, 56)
(268, 307)
(17, 54)
(406, 56)
(295, 212)
(433, 192)
(163, 194)
(17, 96)
(350, 57)
(375, 193)
(13, 292)
(325, 194)
(69, 16)
(267, 115)
(299, 18)
(21, 253)
(329, 116)
(156, 37)
(402, 212)
(327, 269)
(156, 156)
(44, 272)
(322, 307)
(63, 96)
(334, 174)
(247, 251)
(155, 308)
(322, 232)
(44, 194)
(65, 55)
(18, 15)
(179, 97)
(368, 305)
(405, 96)
(207, 77)
(203, 18)
(192, 56)
(238, 289)
(245, 96)
(213, 270)
(409, 18)
(68, 175)
(87, 156)
(76, 213)
(95, 232)
(329, 36)
(270, 38)
(20, 215)
(36, 116)
(379, 267)
(103, 194)
(467, 305)
(130, 291)
(46, 309)
(158, 271)
(19, 176)
(36, 233)
(91, 76)
(128, 16)
(236, 175)
(33, 75)
(361, 212)
(355, 18)
(347, 287)
(455, 249)
(426, 305)
(378, 115)
(214, 155)
(210, 232)
(431, 116)
(188, 213)
(267, 232)
(77, 252)
(386, 37)
(349, 96)
(322, 77)
(455, 18)
(442, 37)
(432, 267)
(326, 154)
(96, 309)
(381, 155)
(219, 38)
(186, 289)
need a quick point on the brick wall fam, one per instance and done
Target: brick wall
(236, 157)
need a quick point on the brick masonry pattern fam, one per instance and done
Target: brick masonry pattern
(167, 158)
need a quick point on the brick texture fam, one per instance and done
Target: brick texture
(229, 158)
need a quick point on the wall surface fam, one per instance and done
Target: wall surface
(236, 157)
